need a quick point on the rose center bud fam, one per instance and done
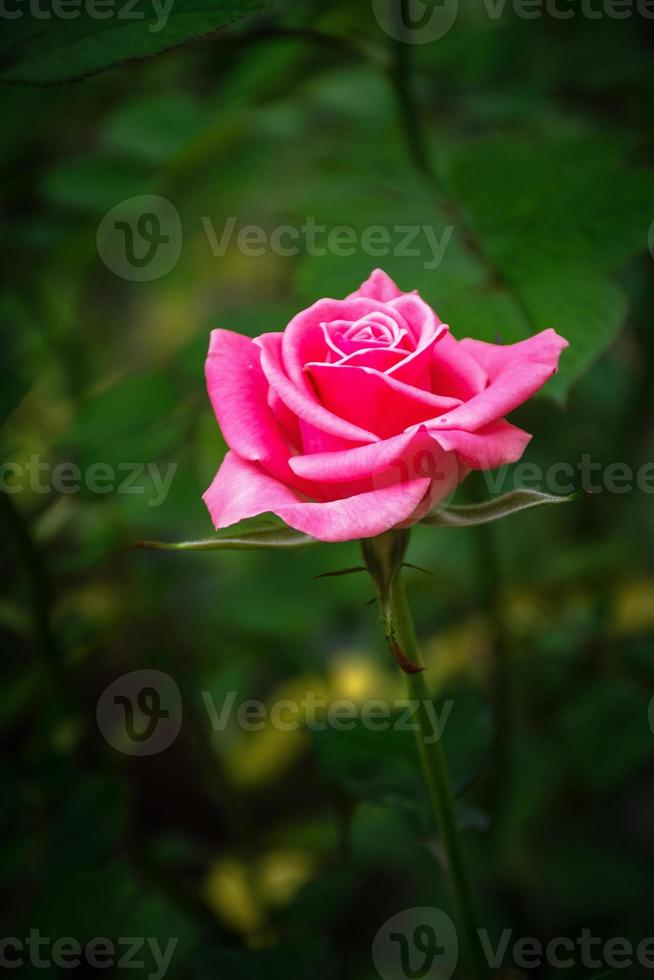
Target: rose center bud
(374, 330)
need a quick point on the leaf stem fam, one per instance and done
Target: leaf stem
(437, 782)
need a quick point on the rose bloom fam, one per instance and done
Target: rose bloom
(364, 413)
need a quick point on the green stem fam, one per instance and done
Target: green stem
(409, 114)
(437, 781)
(502, 683)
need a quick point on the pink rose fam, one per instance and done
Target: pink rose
(364, 413)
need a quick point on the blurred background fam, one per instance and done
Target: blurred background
(524, 143)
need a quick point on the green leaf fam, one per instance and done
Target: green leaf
(51, 49)
(378, 765)
(470, 515)
(255, 533)
(556, 219)
(585, 307)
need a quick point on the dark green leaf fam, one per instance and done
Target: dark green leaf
(555, 219)
(51, 49)
(379, 767)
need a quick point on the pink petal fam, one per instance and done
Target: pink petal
(300, 400)
(238, 391)
(455, 372)
(543, 348)
(363, 461)
(304, 339)
(375, 402)
(410, 366)
(516, 372)
(243, 489)
(493, 445)
(377, 286)
(287, 420)
(382, 359)
(416, 369)
(313, 440)
(448, 470)
(407, 457)
(419, 315)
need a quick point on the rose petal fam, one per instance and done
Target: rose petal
(420, 317)
(304, 339)
(375, 402)
(454, 371)
(377, 286)
(243, 489)
(382, 359)
(454, 473)
(238, 392)
(493, 445)
(388, 328)
(407, 457)
(516, 372)
(360, 462)
(416, 369)
(286, 419)
(303, 402)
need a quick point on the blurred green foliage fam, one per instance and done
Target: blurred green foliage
(282, 853)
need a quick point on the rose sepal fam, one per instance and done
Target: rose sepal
(257, 532)
(472, 515)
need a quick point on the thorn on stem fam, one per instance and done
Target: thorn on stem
(401, 658)
(342, 571)
(417, 568)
